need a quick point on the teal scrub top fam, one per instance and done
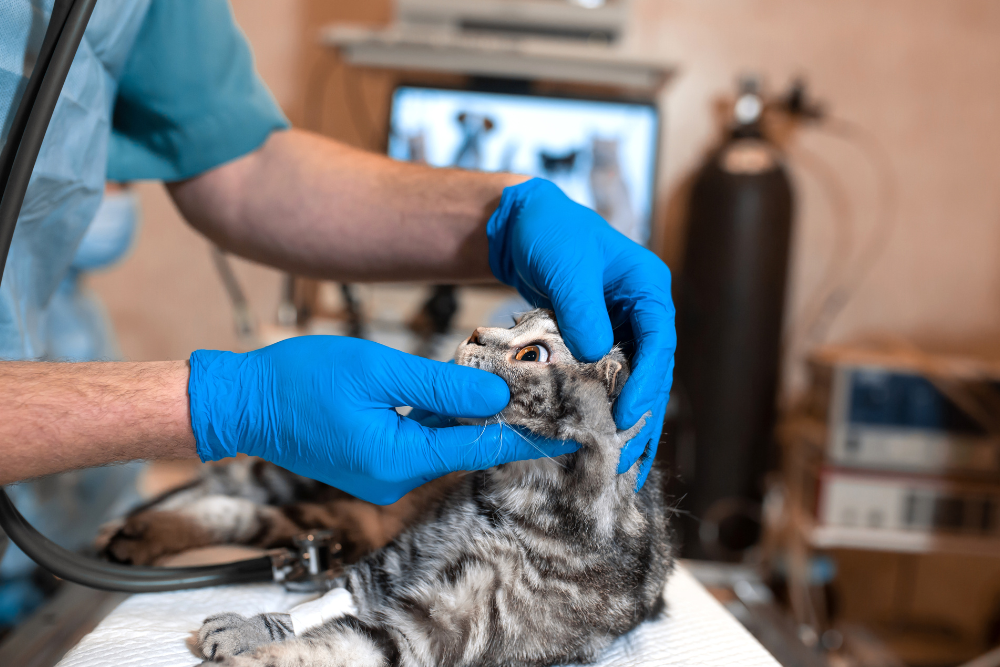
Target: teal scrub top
(159, 89)
(188, 98)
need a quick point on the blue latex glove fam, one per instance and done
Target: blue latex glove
(323, 407)
(603, 288)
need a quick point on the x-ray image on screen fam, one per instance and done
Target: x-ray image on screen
(602, 154)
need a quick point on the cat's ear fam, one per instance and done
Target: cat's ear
(612, 372)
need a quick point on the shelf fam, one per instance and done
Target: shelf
(489, 55)
(901, 541)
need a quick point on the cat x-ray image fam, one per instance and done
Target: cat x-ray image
(601, 153)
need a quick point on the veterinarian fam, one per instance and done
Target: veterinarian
(166, 90)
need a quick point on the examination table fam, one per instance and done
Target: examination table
(152, 629)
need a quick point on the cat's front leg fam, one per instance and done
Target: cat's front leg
(342, 642)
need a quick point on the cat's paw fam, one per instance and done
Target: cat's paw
(228, 635)
(144, 537)
(627, 434)
(106, 533)
(240, 661)
(237, 661)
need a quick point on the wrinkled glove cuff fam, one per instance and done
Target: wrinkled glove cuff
(211, 383)
(498, 228)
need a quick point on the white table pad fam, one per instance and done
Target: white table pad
(151, 630)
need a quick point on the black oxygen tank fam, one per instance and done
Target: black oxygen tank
(730, 299)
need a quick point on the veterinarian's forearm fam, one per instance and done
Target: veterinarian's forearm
(61, 416)
(305, 203)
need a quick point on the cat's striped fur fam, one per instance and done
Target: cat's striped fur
(529, 563)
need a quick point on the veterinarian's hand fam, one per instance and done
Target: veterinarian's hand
(603, 288)
(323, 407)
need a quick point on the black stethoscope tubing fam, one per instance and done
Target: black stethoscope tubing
(62, 39)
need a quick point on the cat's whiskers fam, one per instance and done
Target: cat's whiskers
(527, 440)
(675, 508)
(499, 446)
(493, 458)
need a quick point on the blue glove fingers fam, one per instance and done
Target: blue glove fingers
(647, 441)
(444, 450)
(578, 299)
(649, 438)
(652, 320)
(381, 493)
(648, 388)
(651, 447)
(430, 419)
(426, 453)
(448, 389)
(567, 265)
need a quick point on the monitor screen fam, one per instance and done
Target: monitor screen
(601, 153)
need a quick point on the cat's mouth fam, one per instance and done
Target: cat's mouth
(505, 417)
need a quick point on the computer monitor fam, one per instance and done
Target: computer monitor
(601, 153)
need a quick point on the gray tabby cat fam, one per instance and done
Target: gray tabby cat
(530, 563)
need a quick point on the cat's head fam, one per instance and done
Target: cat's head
(551, 393)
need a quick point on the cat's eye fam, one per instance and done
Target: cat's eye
(532, 353)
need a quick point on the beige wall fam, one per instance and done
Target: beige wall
(166, 299)
(924, 76)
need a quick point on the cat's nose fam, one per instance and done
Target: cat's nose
(474, 338)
